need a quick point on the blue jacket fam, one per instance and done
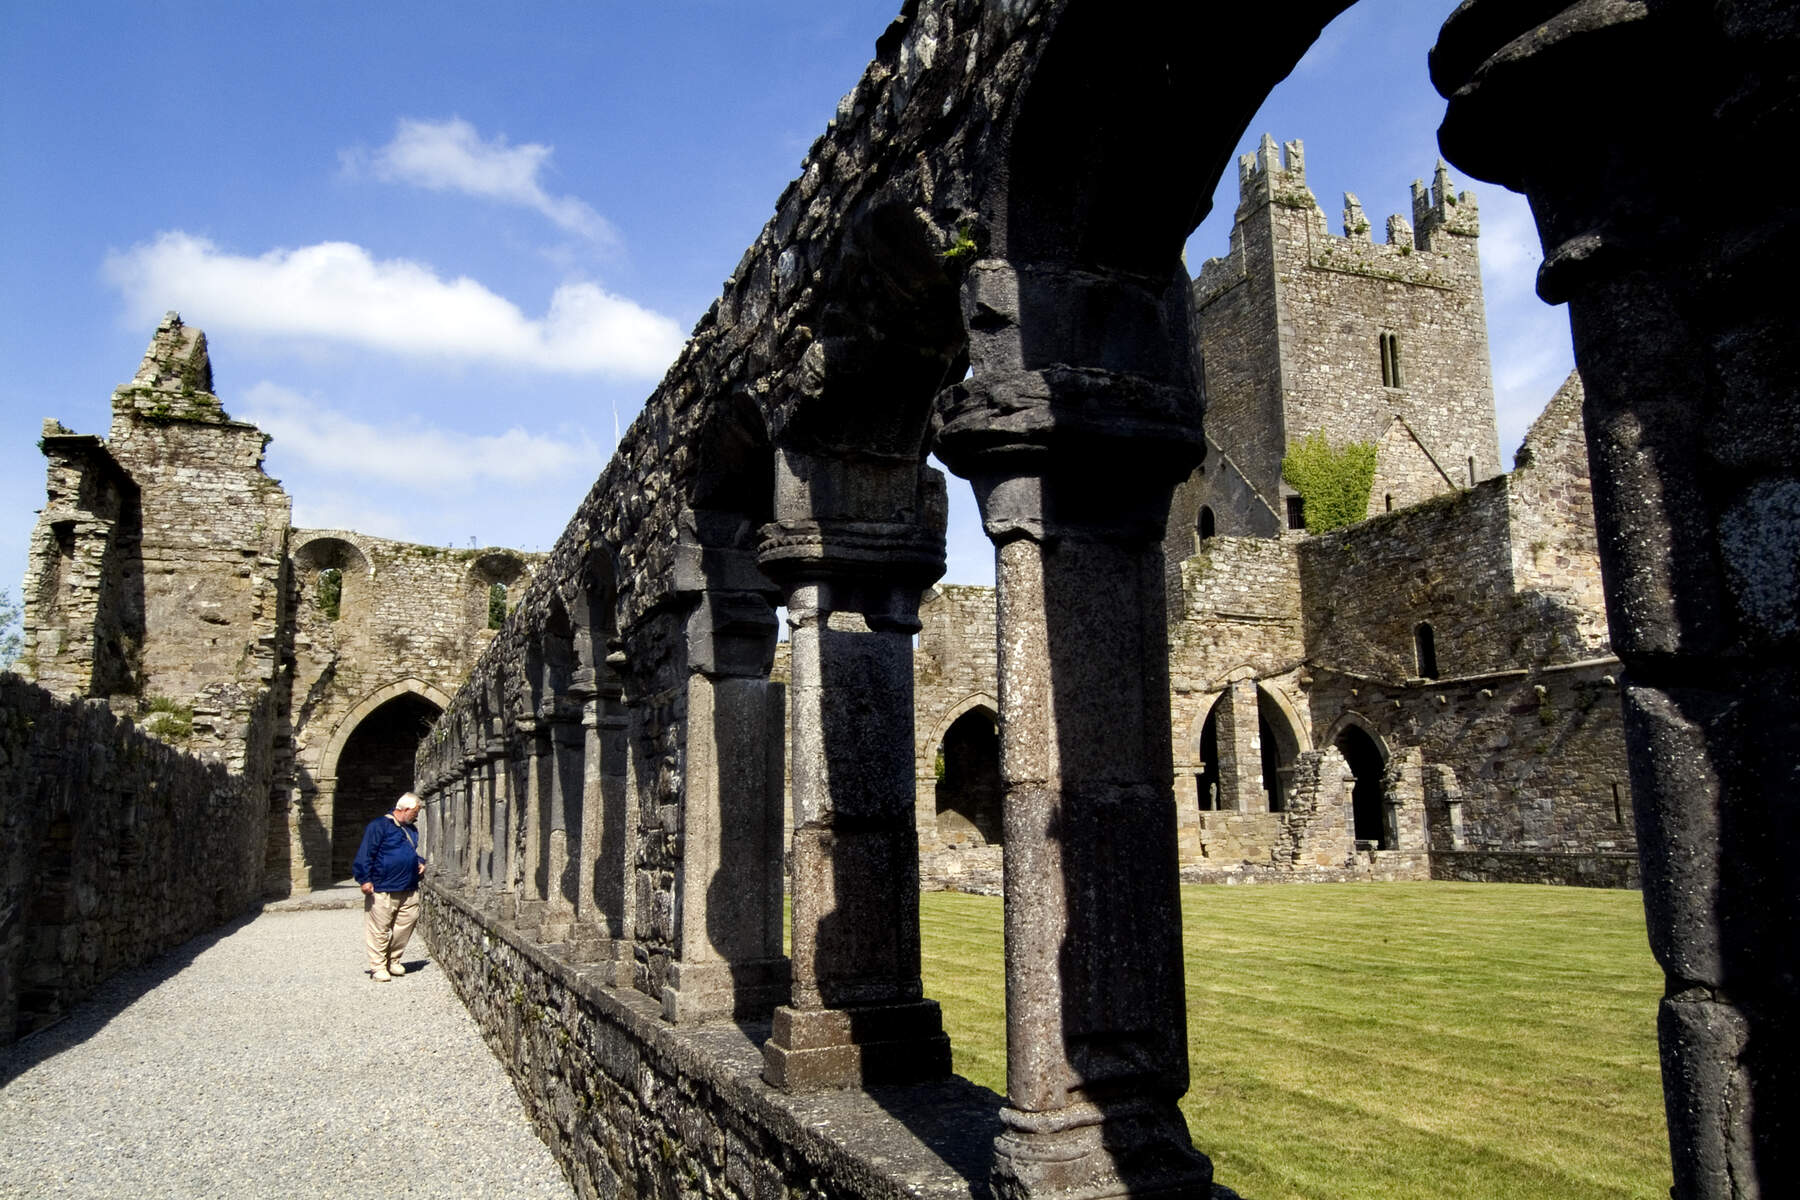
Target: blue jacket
(389, 856)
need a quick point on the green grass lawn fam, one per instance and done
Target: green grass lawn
(1387, 1041)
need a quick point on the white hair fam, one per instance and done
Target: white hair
(408, 800)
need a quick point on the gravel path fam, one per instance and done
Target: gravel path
(260, 1061)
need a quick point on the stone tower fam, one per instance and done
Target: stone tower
(158, 566)
(1298, 330)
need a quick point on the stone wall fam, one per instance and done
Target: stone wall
(114, 847)
(409, 623)
(635, 1106)
(165, 579)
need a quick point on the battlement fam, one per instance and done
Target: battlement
(1274, 177)
(1278, 177)
(1441, 209)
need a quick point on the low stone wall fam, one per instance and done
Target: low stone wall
(1365, 866)
(634, 1106)
(1572, 870)
(114, 847)
(976, 869)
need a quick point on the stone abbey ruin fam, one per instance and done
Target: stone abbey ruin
(982, 258)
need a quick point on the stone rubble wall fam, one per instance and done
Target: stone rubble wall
(114, 847)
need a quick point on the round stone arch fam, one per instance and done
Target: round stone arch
(1367, 755)
(318, 551)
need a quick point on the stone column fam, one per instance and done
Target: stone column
(1240, 749)
(728, 959)
(500, 821)
(1073, 466)
(1681, 298)
(469, 787)
(563, 768)
(858, 1015)
(536, 737)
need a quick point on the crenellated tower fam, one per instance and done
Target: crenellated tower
(1299, 330)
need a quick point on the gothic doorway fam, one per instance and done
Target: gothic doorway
(373, 769)
(1368, 796)
(968, 790)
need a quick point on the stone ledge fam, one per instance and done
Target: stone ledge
(704, 1082)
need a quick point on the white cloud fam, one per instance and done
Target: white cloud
(337, 291)
(417, 457)
(450, 156)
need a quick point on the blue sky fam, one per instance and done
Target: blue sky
(441, 251)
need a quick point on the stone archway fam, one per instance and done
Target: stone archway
(366, 764)
(1367, 759)
(968, 789)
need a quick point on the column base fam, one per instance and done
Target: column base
(529, 916)
(1136, 1148)
(556, 926)
(813, 1048)
(694, 992)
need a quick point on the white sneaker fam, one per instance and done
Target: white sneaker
(394, 968)
(382, 977)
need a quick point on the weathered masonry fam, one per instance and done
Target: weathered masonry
(1428, 691)
(166, 581)
(982, 257)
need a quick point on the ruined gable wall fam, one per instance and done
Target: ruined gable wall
(1555, 551)
(215, 527)
(114, 847)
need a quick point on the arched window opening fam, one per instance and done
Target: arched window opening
(1208, 781)
(1206, 526)
(1391, 374)
(1425, 650)
(1471, 470)
(1368, 796)
(1390, 502)
(1296, 512)
(330, 592)
(375, 767)
(496, 605)
(1278, 746)
(1272, 780)
(968, 789)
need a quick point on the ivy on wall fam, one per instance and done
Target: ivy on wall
(1333, 482)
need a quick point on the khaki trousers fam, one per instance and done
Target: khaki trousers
(388, 920)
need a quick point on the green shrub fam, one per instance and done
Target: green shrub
(1333, 482)
(496, 606)
(331, 592)
(167, 718)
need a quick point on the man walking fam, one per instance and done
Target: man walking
(388, 867)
